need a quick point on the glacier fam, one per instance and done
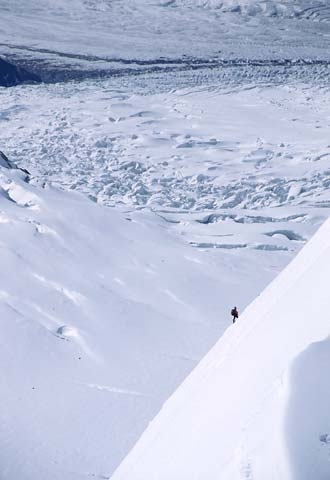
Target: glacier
(179, 161)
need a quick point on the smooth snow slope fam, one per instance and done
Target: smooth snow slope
(257, 406)
(102, 315)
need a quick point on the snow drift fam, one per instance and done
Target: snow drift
(257, 406)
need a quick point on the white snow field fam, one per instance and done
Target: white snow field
(176, 179)
(105, 34)
(244, 170)
(257, 406)
(103, 314)
(194, 149)
(104, 310)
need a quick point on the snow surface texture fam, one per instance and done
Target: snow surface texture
(257, 406)
(208, 161)
(118, 35)
(193, 150)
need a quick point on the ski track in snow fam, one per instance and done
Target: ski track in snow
(115, 390)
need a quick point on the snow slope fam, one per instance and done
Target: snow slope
(103, 313)
(212, 191)
(97, 329)
(216, 181)
(257, 406)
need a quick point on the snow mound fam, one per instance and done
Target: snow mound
(66, 331)
(257, 406)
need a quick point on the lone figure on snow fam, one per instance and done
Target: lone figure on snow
(234, 313)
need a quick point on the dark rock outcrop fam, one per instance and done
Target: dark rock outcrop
(5, 162)
(11, 75)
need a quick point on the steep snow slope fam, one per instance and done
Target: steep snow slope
(257, 406)
(102, 314)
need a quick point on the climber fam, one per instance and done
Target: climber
(234, 313)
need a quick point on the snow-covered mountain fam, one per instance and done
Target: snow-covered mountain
(257, 406)
(179, 160)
